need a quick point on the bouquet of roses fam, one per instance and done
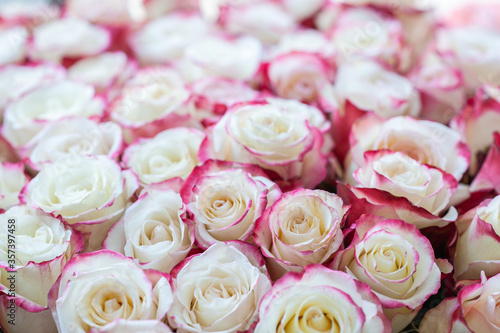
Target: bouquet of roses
(249, 166)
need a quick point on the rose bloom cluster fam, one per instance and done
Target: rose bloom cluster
(249, 166)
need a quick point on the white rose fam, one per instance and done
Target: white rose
(16, 81)
(165, 39)
(12, 181)
(369, 87)
(154, 231)
(41, 248)
(89, 192)
(97, 289)
(237, 58)
(110, 12)
(225, 199)
(307, 41)
(302, 10)
(68, 38)
(171, 153)
(103, 71)
(65, 137)
(27, 116)
(219, 290)
(13, 45)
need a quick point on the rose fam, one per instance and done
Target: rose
(26, 117)
(114, 13)
(28, 14)
(264, 20)
(152, 101)
(154, 230)
(68, 37)
(396, 261)
(279, 135)
(425, 141)
(16, 81)
(41, 247)
(369, 87)
(219, 290)
(302, 10)
(320, 300)
(232, 58)
(67, 137)
(96, 289)
(441, 88)
(393, 185)
(225, 199)
(170, 154)
(305, 41)
(362, 32)
(298, 75)
(475, 51)
(487, 177)
(302, 227)
(12, 181)
(89, 192)
(478, 241)
(13, 45)
(165, 38)
(106, 72)
(474, 310)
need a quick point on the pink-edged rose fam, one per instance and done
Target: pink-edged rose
(283, 136)
(95, 290)
(396, 261)
(111, 12)
(225, 199)
(68, 37)
(170, 154)
(89, 192)
(27, 116)
(478, 243)
(66, 137)
(476, 309)
(219, 290)
(30, 263)
(13, 45)
(302, 227)
(487, 178)
(12, 181)
(154, 231)
(425, 141)
(321, 300)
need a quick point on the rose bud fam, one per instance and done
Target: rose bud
(225, 199)
(170, 154)
(154, 231)
(66, 137)
(283, 136)
(233, 58)
(394, 185)
(302, 227)
(475, 51)
(219, 290)
(476, 123)
(70, 38)
(474, 310)
(478, 243)
(91, 193)
(321, 300)
(298, 76)
(165, 39)
(154, 100)
(12, 181)
(425, 141)
(362, 32)
(396, 261)
(42, 245)
(110, 12)
(13, 45)
(27, 116)
(16, 81)
(97, 290)
(107, 72)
